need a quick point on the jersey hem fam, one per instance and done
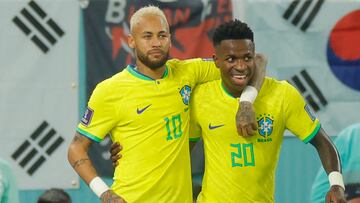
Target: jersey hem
(88, 135)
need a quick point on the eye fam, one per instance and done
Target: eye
(247, 58)
(147, 36)
(230, 59)
(162, 36)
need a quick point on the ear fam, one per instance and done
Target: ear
(216, 60)
(131, 41)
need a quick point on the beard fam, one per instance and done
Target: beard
(153, 64)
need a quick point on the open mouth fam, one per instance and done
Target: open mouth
(240, 79)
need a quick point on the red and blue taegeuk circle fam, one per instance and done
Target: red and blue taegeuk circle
(343, 50)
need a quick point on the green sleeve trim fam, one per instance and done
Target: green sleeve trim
(86, 134)
(312, 135)
(194, 139)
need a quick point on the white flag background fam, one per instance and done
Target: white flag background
(39, 73)
(295, 36)
(39, 90)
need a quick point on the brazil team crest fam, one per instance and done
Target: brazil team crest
(265, 127)
(185, 94)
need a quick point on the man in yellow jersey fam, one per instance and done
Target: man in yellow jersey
(145, 108)
(242, 169)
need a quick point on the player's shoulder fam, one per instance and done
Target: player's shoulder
(350, 132)
(273, 83)
(114, 82)
(206, 90)
(190, 63)
(274, 88)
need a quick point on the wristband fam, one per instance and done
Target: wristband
(335, 178)
(249, 94)
(98, 186)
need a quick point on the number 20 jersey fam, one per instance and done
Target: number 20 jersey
(239, 169)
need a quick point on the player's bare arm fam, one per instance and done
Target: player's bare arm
(110, 197)
(331, 163)
(245, 116)
(260, 71)
(80, 161)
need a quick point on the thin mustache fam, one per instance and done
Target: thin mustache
(156, 50)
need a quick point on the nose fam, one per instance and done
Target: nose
(155, 42)
(240, 64)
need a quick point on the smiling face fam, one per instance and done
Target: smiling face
(150, 37)
(235, 59)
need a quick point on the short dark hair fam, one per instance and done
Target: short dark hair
(233, 29)
(54, 195)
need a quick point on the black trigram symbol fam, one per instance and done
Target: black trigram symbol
(32, 158)
(301, 86)
(42, 30)
(306, 13)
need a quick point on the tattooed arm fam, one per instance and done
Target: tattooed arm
(245, 117)
(79, 159)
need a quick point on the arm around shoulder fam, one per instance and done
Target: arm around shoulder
(245, 116)
(260, 71)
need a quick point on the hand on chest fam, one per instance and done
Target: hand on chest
(220, 122)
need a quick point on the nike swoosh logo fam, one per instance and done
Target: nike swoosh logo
(212, 127)
(140, 111)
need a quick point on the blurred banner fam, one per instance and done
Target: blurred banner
(39, 90)
(315, 45)
(106, 23)
(312, 44)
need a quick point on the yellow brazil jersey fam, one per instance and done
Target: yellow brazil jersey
(239, 169)
(150, 118)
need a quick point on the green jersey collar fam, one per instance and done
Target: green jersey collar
(132, 71)
(225, 90)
